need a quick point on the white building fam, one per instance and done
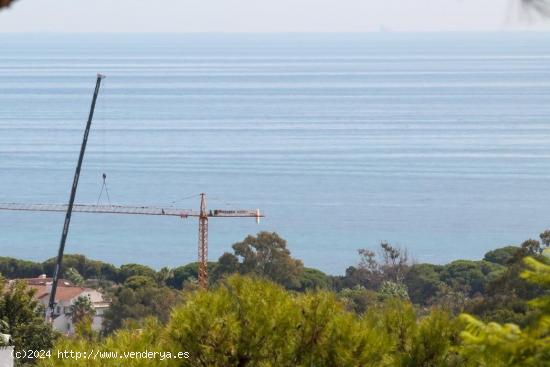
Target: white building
(6, 356)
(6, 351)
(65, 296)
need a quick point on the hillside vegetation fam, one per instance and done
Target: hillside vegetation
(264, 308)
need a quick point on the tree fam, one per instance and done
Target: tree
(501, 256)
(227, 264)
(82, 308)
(435, 342)
(371, 273)
(393, 290)
(368, 272)
(239, 324)
(250, 321)
(188, 273)
(545, 238)
(149, 338)
(493, 344)
(13, 268)
(138, 298)
(164, 276)
(358, 299)
(266, 255)
(470, 277)
(506, 296)
(538, 272)
(423, 283)
(395, 262)
(313, 279)
(130, 270)
(87, 268)
(24, 317)
(74, 276)
(253, 322)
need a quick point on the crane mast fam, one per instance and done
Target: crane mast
(203, 244)
(66, 224)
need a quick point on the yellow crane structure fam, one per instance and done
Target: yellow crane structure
(203, 215)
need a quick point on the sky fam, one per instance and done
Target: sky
(263, 16)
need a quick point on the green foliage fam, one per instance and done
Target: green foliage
(391, 264)
(492, 344)
(435, 342)
(138, 298)
(147, 338)
(74, 276)
(470, 277)
(4, 329)
(241, 323)
(358, 298)
(266, 255)
(189, 273)
(330, 336)
(253, 322)
(501, 256)
(83, 327)
(130, 270)
(538, 272)
(312, 279)
(84, 266)
(227, 264)
(423, 283)
(23, 318)
(505, 299)
(392, 290)
(164, 276)
(81, 309)
(14, 268)
(247, 322)
(137, 282)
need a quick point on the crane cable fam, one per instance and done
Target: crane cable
(103, 138)
(104, 186)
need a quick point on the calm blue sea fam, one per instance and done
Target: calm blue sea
(439, 143)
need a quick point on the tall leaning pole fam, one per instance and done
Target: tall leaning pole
(59, 262)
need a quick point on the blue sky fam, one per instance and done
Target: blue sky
(262, 16)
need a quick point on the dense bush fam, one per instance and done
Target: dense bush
(368, 317)
(252, 322)
(22, 316)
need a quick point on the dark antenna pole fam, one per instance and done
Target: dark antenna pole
(57, 273)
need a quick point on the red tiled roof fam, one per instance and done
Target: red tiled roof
(63, 293)
(65, 289)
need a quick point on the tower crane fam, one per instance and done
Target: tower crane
(203, 214)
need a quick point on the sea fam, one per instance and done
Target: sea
(438, 143)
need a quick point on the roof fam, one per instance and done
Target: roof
(63, 293)
(66, 291)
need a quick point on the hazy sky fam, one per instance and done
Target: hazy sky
(261, 15)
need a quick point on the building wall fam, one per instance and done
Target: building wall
(6, 359)
(63, 322)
